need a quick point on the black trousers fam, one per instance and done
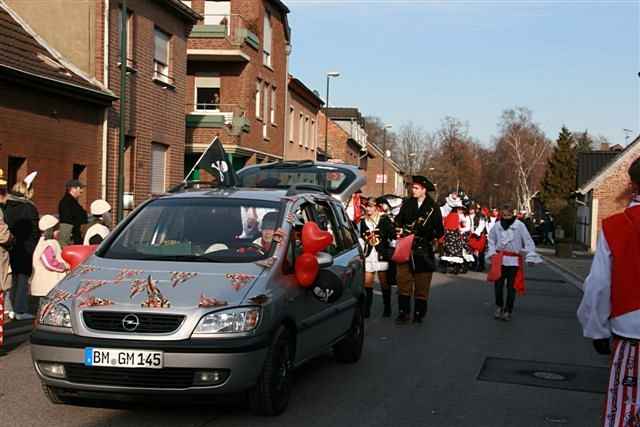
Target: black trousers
(508, 278)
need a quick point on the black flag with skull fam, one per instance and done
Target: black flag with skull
(215, 161)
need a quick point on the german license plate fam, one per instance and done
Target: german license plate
(117, 358)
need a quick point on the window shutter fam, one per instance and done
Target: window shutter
(158, 166)
(161, 47)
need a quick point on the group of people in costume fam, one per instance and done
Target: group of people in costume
(465, 235)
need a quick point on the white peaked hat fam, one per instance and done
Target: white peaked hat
(47, 222)
(100, 207)
(29, 179)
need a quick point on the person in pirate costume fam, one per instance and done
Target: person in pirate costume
(377, 232)
(466, 227)
(421, 217)
(610, 307)
(452, 260)
(478, 238)
(510, 246)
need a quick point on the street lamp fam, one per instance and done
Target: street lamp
(326, 115)
(384, 153)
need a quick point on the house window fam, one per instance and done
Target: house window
(273, 105)
(130, 36)
(158, 168)
(267, 35)
(217, 12)
(258, 99)
(301, 129)
(266, 107)
(207, 93)
(314, 135)
(307, 132)
(161, 64)
(292, 124)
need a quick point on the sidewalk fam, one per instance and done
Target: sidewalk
(577, 266)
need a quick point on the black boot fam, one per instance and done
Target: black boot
(386, 299)
(404, 309)
(368, 301)
(420, 310)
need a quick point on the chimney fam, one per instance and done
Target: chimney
(604, 146)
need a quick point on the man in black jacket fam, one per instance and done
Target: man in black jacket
(72, 214)
(421, 217)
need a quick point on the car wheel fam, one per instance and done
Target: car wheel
(349, 349)
(271, 394)
(53, 395)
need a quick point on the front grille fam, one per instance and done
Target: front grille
(130, 377)
(149, 323)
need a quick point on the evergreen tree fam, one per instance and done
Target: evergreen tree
(584, 142)
(560, 177)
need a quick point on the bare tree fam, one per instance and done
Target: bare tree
(526, 150)
(412, 148)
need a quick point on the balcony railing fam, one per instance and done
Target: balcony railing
(210, 115)
(232, 27)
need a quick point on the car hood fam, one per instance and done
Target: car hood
(109, 283)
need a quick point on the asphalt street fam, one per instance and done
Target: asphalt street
(460, 368)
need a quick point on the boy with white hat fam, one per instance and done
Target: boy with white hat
(98, 230)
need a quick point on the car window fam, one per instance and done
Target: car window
(326, 220)
(349, 236)
(207, 229)
(333, 180)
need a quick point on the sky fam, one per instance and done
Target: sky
(573, 63)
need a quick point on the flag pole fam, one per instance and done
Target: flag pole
(186, 178)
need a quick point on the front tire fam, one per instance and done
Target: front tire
(349, 349)
(271, 394)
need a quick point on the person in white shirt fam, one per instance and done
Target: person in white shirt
(510, 246)
(610, 307)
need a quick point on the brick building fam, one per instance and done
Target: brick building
(603, 194)
(302, 122)
(340, 145)
(237, 79)
(156, 83)
(51, 115)
(391, 175)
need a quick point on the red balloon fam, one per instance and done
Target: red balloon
(315, 239)
(75, 255)
(307, 269)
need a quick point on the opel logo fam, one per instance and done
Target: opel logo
(130, 322)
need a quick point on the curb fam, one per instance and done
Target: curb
(576, 280)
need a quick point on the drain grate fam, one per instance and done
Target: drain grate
(591, 379)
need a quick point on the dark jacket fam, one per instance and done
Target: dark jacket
(21, 215)
(71, 212)
(426, 224)
(386, 234)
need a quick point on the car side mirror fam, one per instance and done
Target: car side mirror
(325, 260)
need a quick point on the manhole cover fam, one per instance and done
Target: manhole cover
(549, 376)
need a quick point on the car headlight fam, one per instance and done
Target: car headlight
(54, 314)
(232, 321)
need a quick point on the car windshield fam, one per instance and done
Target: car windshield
(199, 230)
(335, 181)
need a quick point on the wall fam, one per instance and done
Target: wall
(295, 148)
(155, 112)
(52, 132)
(610, 192)
(70, 27)
(338, 146)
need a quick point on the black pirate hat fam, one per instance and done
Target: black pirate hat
(424, 182)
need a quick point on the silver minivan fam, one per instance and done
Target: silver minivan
(196, 293)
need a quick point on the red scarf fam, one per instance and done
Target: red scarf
(495, 273)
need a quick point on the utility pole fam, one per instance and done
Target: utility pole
(326, 116)
(123, 103)
(384, 154)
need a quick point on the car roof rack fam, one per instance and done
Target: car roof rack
(288, 163)
(193, 185)
(306, 188)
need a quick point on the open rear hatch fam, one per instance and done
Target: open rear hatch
(339, 180)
